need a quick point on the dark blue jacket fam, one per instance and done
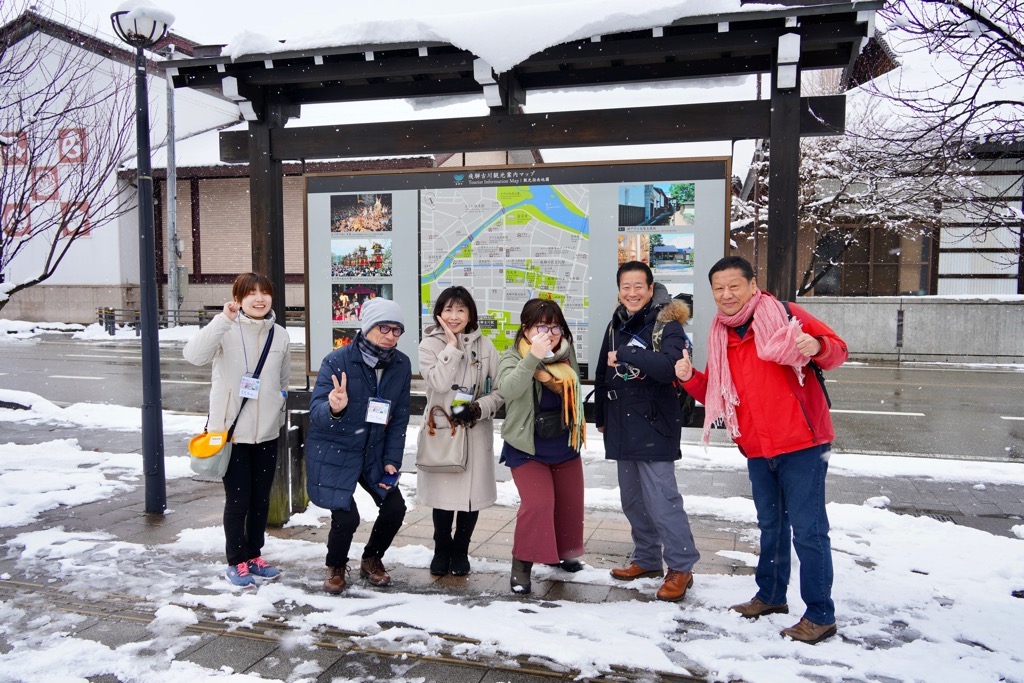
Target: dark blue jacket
(340, 451)
(641, 417)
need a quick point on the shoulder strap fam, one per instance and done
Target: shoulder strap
(255, 374)
(657, 333)
(266, 352)
(814, 366)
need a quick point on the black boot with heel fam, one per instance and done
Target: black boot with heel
(465, 523)
(440, 565)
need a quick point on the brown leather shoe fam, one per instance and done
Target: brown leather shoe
(752, 609)
(335, 581)
(372, 569)
(634, 571)
(674, 588)
(808, 632)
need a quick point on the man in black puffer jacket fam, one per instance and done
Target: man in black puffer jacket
(638, 412)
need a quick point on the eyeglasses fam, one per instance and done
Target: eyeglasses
(391, 329)
(553, 329)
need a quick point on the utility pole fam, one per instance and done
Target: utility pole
(174, 297)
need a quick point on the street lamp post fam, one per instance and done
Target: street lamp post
(141, 26)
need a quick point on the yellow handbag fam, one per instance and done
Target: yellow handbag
(207, 444)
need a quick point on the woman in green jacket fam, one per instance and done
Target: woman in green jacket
(544, 430)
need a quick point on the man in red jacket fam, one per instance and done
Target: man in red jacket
(758, 383)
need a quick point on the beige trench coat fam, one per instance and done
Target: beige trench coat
(443, 366)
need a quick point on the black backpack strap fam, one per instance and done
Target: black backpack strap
(657, 332)
(811, 364)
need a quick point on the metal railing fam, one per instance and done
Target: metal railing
(111, 318)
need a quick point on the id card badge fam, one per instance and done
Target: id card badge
(462, 398)
(377, 411)
(636, 341)
(249, 387)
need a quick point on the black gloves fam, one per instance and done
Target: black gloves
(466, 414)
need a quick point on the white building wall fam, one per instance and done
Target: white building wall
(998, 245)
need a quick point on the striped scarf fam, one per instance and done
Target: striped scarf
(560, 369)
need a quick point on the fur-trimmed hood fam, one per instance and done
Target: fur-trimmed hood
(671, 309)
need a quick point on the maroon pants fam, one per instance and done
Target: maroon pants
(549, 524)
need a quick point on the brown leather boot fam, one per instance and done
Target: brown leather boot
(674, 588)
(754, 608)
(372, 569)
(335, 581)
(807, 631)
(634, 571)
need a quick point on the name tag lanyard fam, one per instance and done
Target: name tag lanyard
(631, 372)
(378, 408)
(249, 387)
(464, 394)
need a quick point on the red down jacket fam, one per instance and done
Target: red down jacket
(776, 414)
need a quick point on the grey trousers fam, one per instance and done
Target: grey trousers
(658, 523)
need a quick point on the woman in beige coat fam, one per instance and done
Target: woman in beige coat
(459, 366)
(233, 343)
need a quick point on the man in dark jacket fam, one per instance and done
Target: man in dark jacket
(638, 412)
(357, 421)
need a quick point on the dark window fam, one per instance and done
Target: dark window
(872, 261)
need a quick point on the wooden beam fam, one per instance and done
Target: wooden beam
(633, 126)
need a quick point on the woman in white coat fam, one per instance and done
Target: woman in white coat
(459, 366)
(233, 341)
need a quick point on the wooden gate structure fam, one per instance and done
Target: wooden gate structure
(780, 41)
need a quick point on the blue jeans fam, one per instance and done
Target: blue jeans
(789, 494)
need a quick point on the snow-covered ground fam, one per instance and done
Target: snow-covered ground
(917, 599)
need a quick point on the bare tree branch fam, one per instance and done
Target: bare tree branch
(66, 124)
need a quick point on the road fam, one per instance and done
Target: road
(950, 411)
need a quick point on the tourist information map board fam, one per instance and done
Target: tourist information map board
(509, 234)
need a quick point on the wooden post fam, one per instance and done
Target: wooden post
(783, 189)
(266, 201)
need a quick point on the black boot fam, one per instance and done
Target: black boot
(441, 563)
(465, 522)
(520, 581)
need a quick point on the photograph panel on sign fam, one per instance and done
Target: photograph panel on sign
(361, 258)
(656, 204)
(347, 299)
(364, 212)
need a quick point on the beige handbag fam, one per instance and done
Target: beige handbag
(442, 448)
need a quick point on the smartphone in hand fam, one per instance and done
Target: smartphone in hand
(391, 479)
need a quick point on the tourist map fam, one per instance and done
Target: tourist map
(506, 245)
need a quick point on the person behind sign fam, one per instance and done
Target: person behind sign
(358, 415)
(544, 430)
(233, 342)
(638, 411)
(459, 366)
(757, 383)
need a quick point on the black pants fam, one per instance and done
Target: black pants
(247, 499)
(390, 514)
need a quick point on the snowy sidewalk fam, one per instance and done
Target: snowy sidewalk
(94, 588)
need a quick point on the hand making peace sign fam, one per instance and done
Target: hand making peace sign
(338, 398)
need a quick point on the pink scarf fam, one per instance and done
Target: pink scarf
(775, 339)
